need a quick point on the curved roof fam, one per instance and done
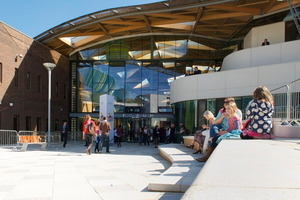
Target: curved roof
(219, 24)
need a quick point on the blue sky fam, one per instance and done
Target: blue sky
(33, 17)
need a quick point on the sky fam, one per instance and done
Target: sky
(33, 17)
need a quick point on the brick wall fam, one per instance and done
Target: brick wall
(18, 100)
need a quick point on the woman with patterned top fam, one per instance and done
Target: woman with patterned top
(259, 112)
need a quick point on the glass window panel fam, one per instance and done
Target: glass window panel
(133, 72)
(181, 68)
(164, 90)
(83, 54)
(149, 98)
(102, 82)
(118, 90)
(85, 86)
(133, 95)
(149, 78)
(116, 50)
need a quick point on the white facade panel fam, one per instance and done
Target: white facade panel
(205, 81)
(264, 55)
(297, 70)
(291, 51)
(106, 103)
(242, 59)
(274, 74)
(275, 33)
(241, 78)
(232, 83)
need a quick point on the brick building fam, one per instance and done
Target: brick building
(24, 83)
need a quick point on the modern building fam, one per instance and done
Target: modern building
(140, 55)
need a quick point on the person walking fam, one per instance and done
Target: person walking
(146, 136)
(172, 134)
(64, 133)
(97, 138)
(156, 136)
(119, 135)
(88, 132)
(105, 128)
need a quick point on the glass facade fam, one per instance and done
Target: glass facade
(138, 72)
(135, 88)
(190, 113)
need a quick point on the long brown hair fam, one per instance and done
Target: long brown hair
(262, 93)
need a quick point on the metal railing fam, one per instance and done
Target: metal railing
(10, 138)
(287, 101)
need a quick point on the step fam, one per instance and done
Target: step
(181, 174)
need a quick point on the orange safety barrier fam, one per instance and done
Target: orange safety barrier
(29, 138)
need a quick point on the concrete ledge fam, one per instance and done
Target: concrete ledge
(286, 131)
(188, 140)
(250, 169)
(184, 169)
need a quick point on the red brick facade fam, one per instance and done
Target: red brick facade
(24, 86)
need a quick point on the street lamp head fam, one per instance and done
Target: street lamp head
(49, 66)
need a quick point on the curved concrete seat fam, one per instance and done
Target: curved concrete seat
(250, 169)
(181, 174)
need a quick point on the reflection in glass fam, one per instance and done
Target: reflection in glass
(133, 95)
(137, 71)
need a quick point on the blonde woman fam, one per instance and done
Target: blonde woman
(230, 119)
(200, 135)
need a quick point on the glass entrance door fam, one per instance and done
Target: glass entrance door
(133, 126)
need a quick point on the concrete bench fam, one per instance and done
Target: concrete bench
(188, 140)
(181, 174)
(250, 169)
(25, 140)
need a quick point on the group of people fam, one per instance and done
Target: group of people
(157, 135)
(196, 71)
(228, 123)
(98, 132)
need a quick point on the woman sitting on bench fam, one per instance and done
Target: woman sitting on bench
(200, 135)
(259, 113)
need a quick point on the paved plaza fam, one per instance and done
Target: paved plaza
(238, 169)
(68, 173)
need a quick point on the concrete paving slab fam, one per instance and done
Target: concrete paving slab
(68, 173)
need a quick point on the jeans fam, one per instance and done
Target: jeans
(65, 139)
(89, 141)
(214, 130)
(104, 141)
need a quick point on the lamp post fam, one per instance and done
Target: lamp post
(49, 67)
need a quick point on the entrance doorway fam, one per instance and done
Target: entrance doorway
(133, 126)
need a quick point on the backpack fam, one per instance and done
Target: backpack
(90, 129)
